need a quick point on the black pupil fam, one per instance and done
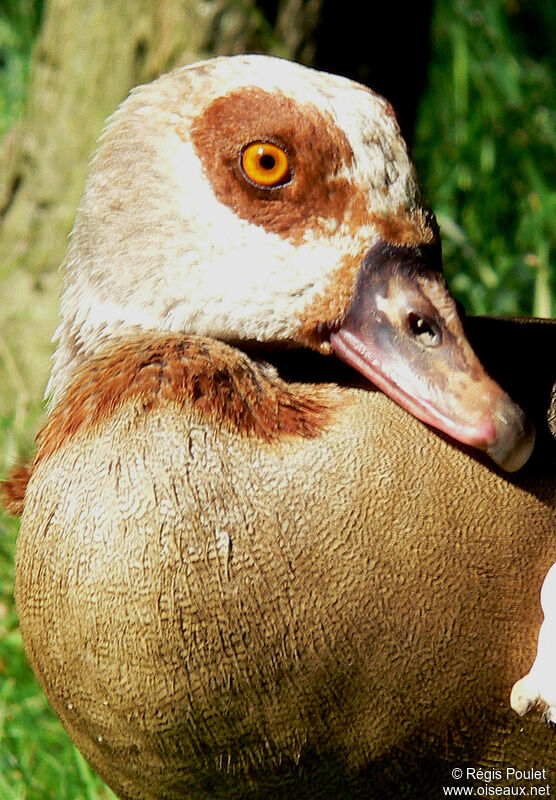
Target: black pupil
(267, 161)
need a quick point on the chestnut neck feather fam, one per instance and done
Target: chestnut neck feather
(221, 382)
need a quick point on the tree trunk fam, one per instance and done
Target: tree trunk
(87, 57)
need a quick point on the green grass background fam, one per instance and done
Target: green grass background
(485, 149)
(485, 145)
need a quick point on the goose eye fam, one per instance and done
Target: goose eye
(265, 164)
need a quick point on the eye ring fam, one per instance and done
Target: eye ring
(265, 165)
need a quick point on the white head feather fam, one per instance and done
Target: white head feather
(154, 248)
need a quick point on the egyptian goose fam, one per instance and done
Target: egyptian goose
(242, 571)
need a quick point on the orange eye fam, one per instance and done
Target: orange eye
(265, 164)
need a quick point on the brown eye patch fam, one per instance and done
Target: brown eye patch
(316, 151)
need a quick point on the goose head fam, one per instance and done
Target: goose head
(251, 199)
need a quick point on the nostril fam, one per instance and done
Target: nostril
(424, 330)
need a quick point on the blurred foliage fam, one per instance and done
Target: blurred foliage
(19, 24)
(485, 149)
